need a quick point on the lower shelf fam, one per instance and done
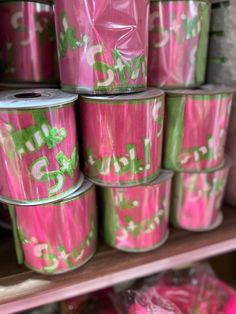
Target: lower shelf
(21, 289)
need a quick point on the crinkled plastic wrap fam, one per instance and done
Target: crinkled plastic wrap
(39, 151)
(178, 41)
(222, 48)
(196, 128)
(230, 191)
(27, 42)
(102, 45)
(196, 290)
(145, 302)
(197, 198)
(122, 137)
(57, 237)
(136, 218)
(5, 218)
(182, 291)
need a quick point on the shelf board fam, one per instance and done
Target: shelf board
(21, 289)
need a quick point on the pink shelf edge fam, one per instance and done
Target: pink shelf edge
(42, 298)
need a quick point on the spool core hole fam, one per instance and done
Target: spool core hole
(27, 95)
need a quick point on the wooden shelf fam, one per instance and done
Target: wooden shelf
(21, 289)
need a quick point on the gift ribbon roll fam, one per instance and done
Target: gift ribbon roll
(196, 128)
(197, 198)
(178, 41)
(102, 46)
(136, 218)
(27, 42)
(196, 289)
(39, 151)
(122, 137)
(222, 44)
(58, 237)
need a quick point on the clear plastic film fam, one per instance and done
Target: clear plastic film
(49, 237)
(39, 157)
(102, 45)
(27, 42)
(122, 137)
(136, 218)
(222, 48)
(178, 41)
(230, 195)
(197, 198)
(190, 289)
(144, 302)
(196, 290)
(196, 128)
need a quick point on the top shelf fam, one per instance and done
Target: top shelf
(21, 289)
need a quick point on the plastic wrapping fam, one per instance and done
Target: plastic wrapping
(230, 195)
(103, 46)
(196, 128)
(122, 137)
(178, 41)
(136, 218)
(197, 198)
(222, 48)
(144, 302)
(58, 237)
(27, 42)
(196, 290)
(39, 150)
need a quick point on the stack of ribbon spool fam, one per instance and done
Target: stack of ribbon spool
(52, 207)
(28, 56)
(221, 69)
(120, 123)
(53, 211)
(196, 116)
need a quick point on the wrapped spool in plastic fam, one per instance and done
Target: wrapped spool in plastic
(27, 42)
(122, 137)
(222, 48)
(39, 151)
(196, 128)
(58, 237)
(197, 197)
(178, 41)
(136, 218)
(102, 45)
(196, 290)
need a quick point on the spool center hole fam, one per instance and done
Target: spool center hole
(27, 95)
